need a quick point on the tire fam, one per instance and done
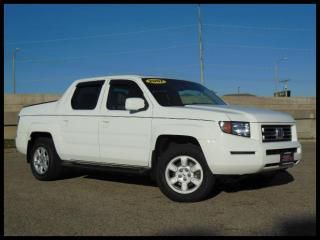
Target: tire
(44, 162)
(185, 175)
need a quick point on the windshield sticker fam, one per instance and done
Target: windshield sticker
(155, 81)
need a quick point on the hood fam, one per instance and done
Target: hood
(226, 113)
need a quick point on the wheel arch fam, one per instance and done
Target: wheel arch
(33, 136)
(163, 142)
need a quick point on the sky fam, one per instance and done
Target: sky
(242, 43)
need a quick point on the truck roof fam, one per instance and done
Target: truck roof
(119, 77)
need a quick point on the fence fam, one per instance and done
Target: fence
(303, 109)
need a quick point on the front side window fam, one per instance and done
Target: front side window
(119, 91)
(170, 92)
(86, 95)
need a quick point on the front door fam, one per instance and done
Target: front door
(124, 136)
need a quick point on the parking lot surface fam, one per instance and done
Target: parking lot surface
(104, 203)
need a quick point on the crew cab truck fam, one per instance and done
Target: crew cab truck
(179, 131)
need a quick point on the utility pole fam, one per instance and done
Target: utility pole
(276, 72)
(276, 78)
(238, 90)
(200, 46)
(14, 69)
(285, 83)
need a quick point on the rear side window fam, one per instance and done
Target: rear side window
(86, 95)
(119, 91)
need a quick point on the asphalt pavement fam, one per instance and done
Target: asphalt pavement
(104, 203)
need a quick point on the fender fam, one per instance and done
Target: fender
(49, 127)
(201, 131)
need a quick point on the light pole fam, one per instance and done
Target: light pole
(14, 70)
(276, 72)
(200, 46)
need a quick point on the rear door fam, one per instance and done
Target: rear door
(80, 123)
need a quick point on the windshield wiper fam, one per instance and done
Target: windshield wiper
(199, 104)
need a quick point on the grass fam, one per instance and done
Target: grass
(9, 143)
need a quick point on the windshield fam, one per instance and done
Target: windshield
(170, 92)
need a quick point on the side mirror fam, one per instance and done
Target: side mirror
(134, 104)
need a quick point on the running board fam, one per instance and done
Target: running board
(106, 166)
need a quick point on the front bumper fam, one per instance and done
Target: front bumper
(239, 155)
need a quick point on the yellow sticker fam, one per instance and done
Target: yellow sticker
(156, 81)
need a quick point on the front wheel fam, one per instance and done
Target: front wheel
(183, 174)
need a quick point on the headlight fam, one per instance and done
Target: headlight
(235, 128)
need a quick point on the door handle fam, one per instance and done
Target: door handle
(104, 123)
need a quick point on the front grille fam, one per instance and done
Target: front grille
(276, 133)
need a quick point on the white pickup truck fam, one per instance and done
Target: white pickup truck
(179, 131)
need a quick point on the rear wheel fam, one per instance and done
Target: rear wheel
(45, 163)
(183, 174)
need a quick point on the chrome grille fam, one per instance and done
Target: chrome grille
(276, 133)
